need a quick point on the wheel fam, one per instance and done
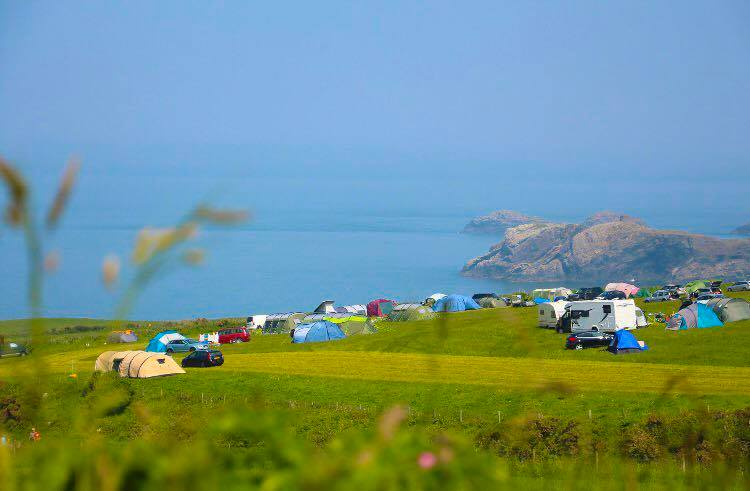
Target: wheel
(170, 351)
(236, 340)
(579, 346)
(192, 348)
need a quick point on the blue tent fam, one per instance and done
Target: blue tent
(317, 332)
(625, 342)
(694, 315)
(539, 300)
(159, 342)
(455, 303)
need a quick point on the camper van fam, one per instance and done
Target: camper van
(602, 315)
(551, 312)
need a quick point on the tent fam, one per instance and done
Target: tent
(380, 307)
(491, 302)
(282, 323)
(158, 343)
(624, 342)
(317, 332)
(643, 293)
(692, 286)
(411, 312)
(640, 318)
(730, 309)
(122, 337)
(455, 303)
(357, 309)
(137, 364)
(628, 289)
(551, 293)
(550, 313)
(354, 324)
(694, 315)
(430, 301)
(326, 306)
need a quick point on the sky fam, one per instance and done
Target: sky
(409, 86)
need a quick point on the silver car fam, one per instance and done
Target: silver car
(740, 286)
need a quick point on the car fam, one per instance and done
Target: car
(587, 339)
(203, 359)
(612, 295)
(700, 291)
(185, 345)
(234, 335)
(708, 296)
(740, 286)
(12, 349)
(585, 294)
(659, 296)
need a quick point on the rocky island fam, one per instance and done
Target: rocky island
(609, 246)
(742, 230)
(497, 222)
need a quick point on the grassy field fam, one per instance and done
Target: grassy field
(491, 378)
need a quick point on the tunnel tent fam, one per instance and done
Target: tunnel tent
(316, 332)
(282, 323)
(730, 309)
(380, 307)
(696, 315)
(411, 312)
(354, 325)
(137, 364)
(158, 343)
(692, 286)
(551, 293)
(491, 303)
(357, 309)
(455, 303)
(122, 337)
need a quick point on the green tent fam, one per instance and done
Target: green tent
(354, 324)
(643, 293)
(491, 303)
(411, 312)
(730, 309)
(282, 323)
(695, 285)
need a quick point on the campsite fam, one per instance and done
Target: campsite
(473, 372)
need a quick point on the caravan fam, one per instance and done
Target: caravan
(601, 315)
(551, 312)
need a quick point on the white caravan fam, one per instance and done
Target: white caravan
(604, 315)
(551, 312)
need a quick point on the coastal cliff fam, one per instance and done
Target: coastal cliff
(609, 246)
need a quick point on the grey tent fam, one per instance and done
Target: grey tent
(730, 309)
(282, 323)
(122, 337)
(491, 302)
(411, 312)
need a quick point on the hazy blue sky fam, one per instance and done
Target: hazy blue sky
(420, 84)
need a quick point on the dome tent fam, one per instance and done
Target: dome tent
(411, 312)
(122, 337)
(380, 307)
(317, 332)
(455, 303)
(624, 342)
(730, 309)
(430, 301)
(694, 315)
(158, 343)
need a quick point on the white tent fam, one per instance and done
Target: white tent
(640, 318)
(551, 293)
(550, 312)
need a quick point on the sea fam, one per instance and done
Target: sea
(312, 236)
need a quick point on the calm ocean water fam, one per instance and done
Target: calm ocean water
(346, 239)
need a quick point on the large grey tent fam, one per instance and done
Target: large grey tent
(282, 323)
(491, 302)
(122, 337)
(730, 309)
(411, 312)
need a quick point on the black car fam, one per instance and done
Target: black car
(585, 294)
(12, 349)
(612, 295)
(203, 359)
(587, 339)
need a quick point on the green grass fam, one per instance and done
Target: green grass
(469, 373)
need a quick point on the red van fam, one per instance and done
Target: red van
(234, 335)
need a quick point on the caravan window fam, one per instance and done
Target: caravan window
(577, 314)
(607, 309)
(552, 314)
(541, 312)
